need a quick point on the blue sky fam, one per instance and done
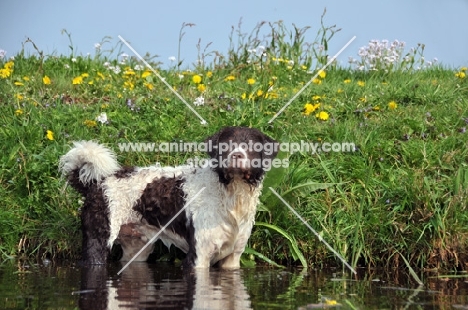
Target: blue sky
(153, 26)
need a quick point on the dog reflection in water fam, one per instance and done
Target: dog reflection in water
(146, 286)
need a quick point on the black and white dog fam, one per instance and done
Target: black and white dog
(129, 205)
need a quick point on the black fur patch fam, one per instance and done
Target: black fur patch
(160, 201)
(95, 227)
(124, 172)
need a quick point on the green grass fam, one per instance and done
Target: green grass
(401, 193)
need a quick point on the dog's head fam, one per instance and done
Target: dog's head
(241, 153)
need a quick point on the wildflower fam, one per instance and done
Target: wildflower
(26, 78)
(196, 79)
(99, 74)
(50, 135)
(46, 80)
(129, 71)
(392, 105)
(77, 80)
(316, 97)
(309, 108)
(172, 59)
(259, 93)
(73, 59)
(460, 75)
(19, 112)
(317, 81)
(322, 74)
(4, 73)
(2, 54)
(199, 101)
(361, 83)
(303, 67)
(230, 78)
(97, 46)
(243, 96)
(129, 85)
(90, 123)
(145, 74)
(209, 74)
(376, 108)
(251, 81)
(9, 65)
(19, 96)
(149, 86)
(322, 116)
(201, 87)
(102, 118)
(138, 67)
(347, 81)
(19, 84)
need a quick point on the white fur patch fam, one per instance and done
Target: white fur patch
(95, 161)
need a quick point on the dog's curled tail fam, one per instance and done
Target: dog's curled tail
(88, 162)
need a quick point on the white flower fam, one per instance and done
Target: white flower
(73, 59)
(2, 53)
(102, 118)
(97, 46)
(67, 66)
(199, 101)
(139, 67)
(172, 58)
(107, 64)
(116, 69)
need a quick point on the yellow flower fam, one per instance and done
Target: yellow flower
(201, 87)
(339, 91)
(129, 71)
(363, 99)
(129, 85)
(347, 81)
(4, 73)
(316, 97)
(19, 96)
(251, 81)
(101, 75)
(149, 86)
(259, 93)
(303, 67)
(230, 78)
(392, 105)
(46, 80)
(145, 74)
(196, 79)
(376, 108)
(361, 83)
(463, 69)
(209, 74)
(26, 78)
(322, 74)
(309, 108)
(77, 80)
(90, 123)
(84, 75)
(9, 65)
(19, 112)
(18, 84)
(460, 75)
(91, 82)
(317, 81)
(322, 116)
(243, 96)
(50, 135)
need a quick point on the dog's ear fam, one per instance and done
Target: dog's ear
(212, 144)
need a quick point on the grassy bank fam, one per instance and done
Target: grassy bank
(400, 192)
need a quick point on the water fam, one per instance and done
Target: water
(163, 286)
